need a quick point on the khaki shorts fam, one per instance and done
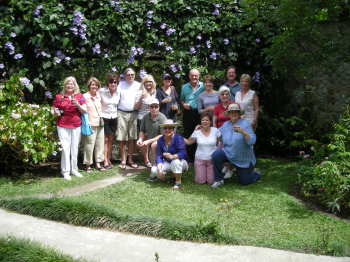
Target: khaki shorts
(127, 126)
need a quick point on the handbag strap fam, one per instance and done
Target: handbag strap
(95, 107)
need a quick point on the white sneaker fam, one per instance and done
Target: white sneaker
(228, 173)
(67, 177)
(154, 171)
(77, 174)
(217, 184)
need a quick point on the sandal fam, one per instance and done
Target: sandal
(122, 165)
(148, 164)
(101, 168)
(177, 186)
(133, 165)
(88, 169)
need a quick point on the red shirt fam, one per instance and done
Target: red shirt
(221, 118)
(71, 114)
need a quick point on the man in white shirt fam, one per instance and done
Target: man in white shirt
(127, 117)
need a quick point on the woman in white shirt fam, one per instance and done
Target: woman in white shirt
(248, 101)
(109, 101)
(147, 94)
(207, 138)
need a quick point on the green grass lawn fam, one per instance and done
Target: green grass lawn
(262, 214)
(48, 182)
(18, 250)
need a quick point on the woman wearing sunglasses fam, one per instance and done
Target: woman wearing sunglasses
(109, 101)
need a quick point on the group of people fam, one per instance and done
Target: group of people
(218, 126)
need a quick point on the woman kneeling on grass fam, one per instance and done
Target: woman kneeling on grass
(207, 138)
(171, 154)
(238, 139)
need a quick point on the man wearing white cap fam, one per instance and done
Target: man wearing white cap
(150, 131)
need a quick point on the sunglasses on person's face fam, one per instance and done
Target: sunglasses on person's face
(154, 106)
(113, 82)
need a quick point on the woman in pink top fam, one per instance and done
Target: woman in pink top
(94, 144)
(219, 118)
(68, 106)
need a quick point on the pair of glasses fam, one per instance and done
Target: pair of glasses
(130, 74)
(153, 106)
(113, 82)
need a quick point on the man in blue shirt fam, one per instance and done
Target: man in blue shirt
(238, 139)
(231, 82)
(189, 96)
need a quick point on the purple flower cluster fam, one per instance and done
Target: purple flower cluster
(150, 14)
(2, 66)
(13, 34)
(96, 49)
(18, 56)
(213, 55)
(79, 28)
(37, 10)
(199, 37)
(148, 23)
(143, 73)
(168, 48)
(216, 10)
(42, 53)
(257, 77)
(170, 31)
(163, 26)
(226, 41)
(48, 94)
(208, 43)
(24, 81)
(10, 47)
(116, 5)
(160, 43)
(258, 40)
(175, 68)
(134, 51)
(114, 69)
(59, 56)
(188, 7)
(192, 50)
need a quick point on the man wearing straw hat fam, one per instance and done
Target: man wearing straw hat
(171, 154)
(238, 139)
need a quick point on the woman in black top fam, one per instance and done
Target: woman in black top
(168, 98)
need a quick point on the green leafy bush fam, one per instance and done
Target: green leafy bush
(27, 130)
(328, 181)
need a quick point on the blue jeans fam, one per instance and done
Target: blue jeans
(245, 175)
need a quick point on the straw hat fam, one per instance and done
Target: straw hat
(233, 107)
(169, 123)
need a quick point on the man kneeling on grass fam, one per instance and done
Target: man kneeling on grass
(171, 154)
(150, 132)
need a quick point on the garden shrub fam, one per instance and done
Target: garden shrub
(27, 130)
(328, 179)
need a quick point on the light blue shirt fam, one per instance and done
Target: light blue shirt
(190, 95)
(238, 150)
